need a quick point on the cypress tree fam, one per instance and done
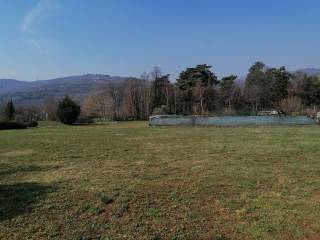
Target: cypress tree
(10, 111)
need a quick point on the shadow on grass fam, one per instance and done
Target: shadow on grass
(6, 169)
(20, 198)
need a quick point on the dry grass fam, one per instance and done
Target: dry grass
(129, 181)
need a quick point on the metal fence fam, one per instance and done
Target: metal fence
(230, 121)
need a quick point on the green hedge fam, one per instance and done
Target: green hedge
(31, 124)
(12, 125)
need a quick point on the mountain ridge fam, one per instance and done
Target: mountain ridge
(34, 92)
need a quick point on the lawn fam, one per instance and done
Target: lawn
(130, 181)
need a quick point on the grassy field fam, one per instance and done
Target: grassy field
(130, 181)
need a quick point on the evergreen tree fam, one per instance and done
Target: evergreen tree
(68, 111)
(309, 90)
(10, 111)
(228, 90)
(161, 87)
(197, 84)
(281, 82)
(258, 86)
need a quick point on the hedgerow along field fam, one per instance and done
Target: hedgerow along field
(130, 181)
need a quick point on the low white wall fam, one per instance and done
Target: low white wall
(230, 121)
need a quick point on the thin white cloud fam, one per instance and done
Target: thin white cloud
(41, 8)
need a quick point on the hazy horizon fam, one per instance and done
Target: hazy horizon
(45, 39)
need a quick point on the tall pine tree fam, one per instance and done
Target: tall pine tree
(10, 111)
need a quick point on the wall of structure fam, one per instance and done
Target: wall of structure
(230, 121)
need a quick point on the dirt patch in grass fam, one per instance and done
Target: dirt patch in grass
(17, 153)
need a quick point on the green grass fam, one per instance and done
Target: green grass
(130, 181)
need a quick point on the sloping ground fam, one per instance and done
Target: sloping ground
(128, 181)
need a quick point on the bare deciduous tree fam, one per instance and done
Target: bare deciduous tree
(49, 108)
(98, 104)
(291, 105)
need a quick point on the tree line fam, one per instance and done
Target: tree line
(67, 111)
(199, 91)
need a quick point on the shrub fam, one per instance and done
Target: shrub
(104, 198)
(291, 105)
(11, 125)
(228, 112)
(25, 115)
(163, 110)
(85, 120)
(68, 111)
(27, 118)
(32, 124)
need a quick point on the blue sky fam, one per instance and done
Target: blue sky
(41, 39)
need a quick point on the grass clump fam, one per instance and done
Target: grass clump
(105, 199)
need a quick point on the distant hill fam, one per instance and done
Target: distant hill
(12, 85)
(240, 82)
(34, 92)
(310, 71)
